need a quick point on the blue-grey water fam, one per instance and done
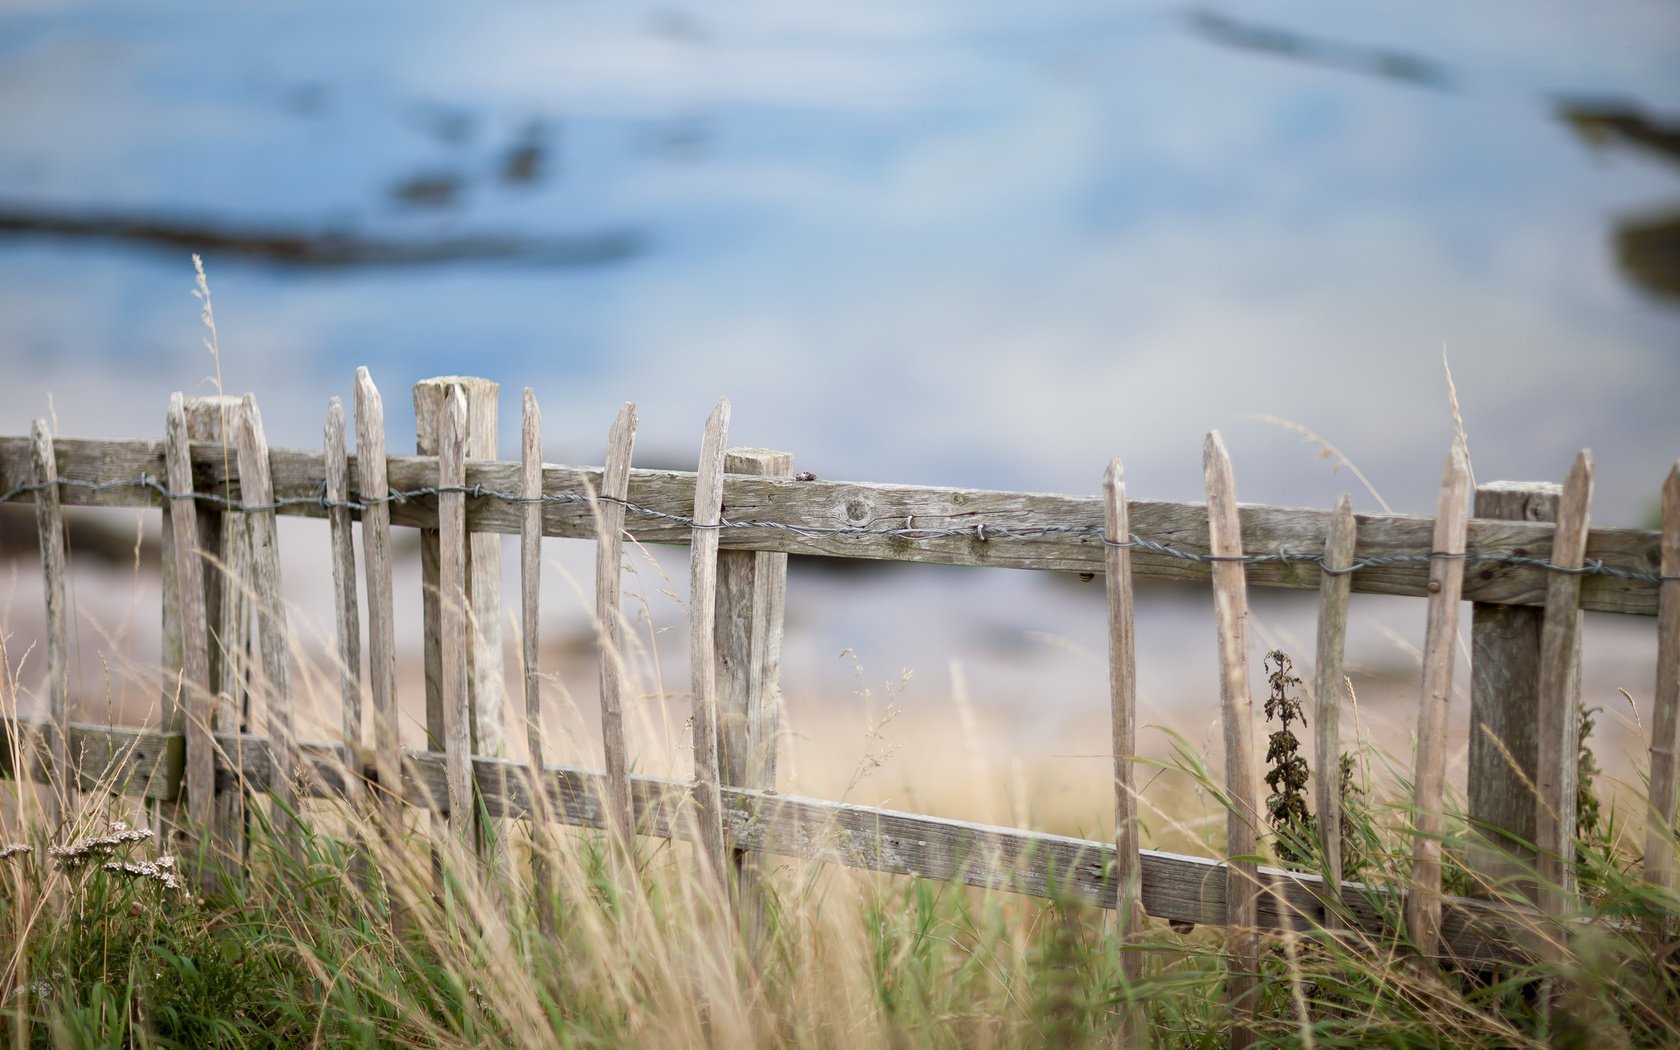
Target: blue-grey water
(971, 243)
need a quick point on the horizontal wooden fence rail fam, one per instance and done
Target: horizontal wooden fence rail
(1178, 888)
(902, 523)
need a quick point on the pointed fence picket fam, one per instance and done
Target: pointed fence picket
(376, 550)
(1242, 879)
(608, 509)
(1440, 640)
(702, 640)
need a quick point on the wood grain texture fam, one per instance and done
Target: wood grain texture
(455, 619)
(193, 708)
(609, 554)
(49, 526)
(530, 572)
(530, 634)
(1504, 696)
(1122, 691)
(1423, 904)
(1230, 603)
(484, 560)
(225, 549)
(702, 630)
(1558, 728)
(751, 601)
(376, 552)
(1329, 688)
(825, 504)
(274, 684)
(346, 609)
(1665, 718)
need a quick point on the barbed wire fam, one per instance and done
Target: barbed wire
(979, 531)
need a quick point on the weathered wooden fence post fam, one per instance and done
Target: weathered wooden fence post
(376, 552)
(530, 648)
(702, 648)
(346, 611)
(224, 540)
(1446, 587)
(609, 550)
(455, 628)
(483, 563)
(1665, 717)
(751, 598)
(1122, 693)
(189, 710)
(1242, 877)
(62, 783)
(1560, 671)
(484, 570)
(256, 486)
(1329, 685)
(1504, 698)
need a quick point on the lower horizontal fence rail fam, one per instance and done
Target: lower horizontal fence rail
(1175, 887)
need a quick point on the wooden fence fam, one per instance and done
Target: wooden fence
(1527, 560)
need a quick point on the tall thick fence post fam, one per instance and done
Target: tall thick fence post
(189, 711)
(482, 612)
(224, 540)
(751, 598)
(484, 570)
(456, 625)
(1504, 696)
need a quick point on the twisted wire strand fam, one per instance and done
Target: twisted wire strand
(980, 531)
